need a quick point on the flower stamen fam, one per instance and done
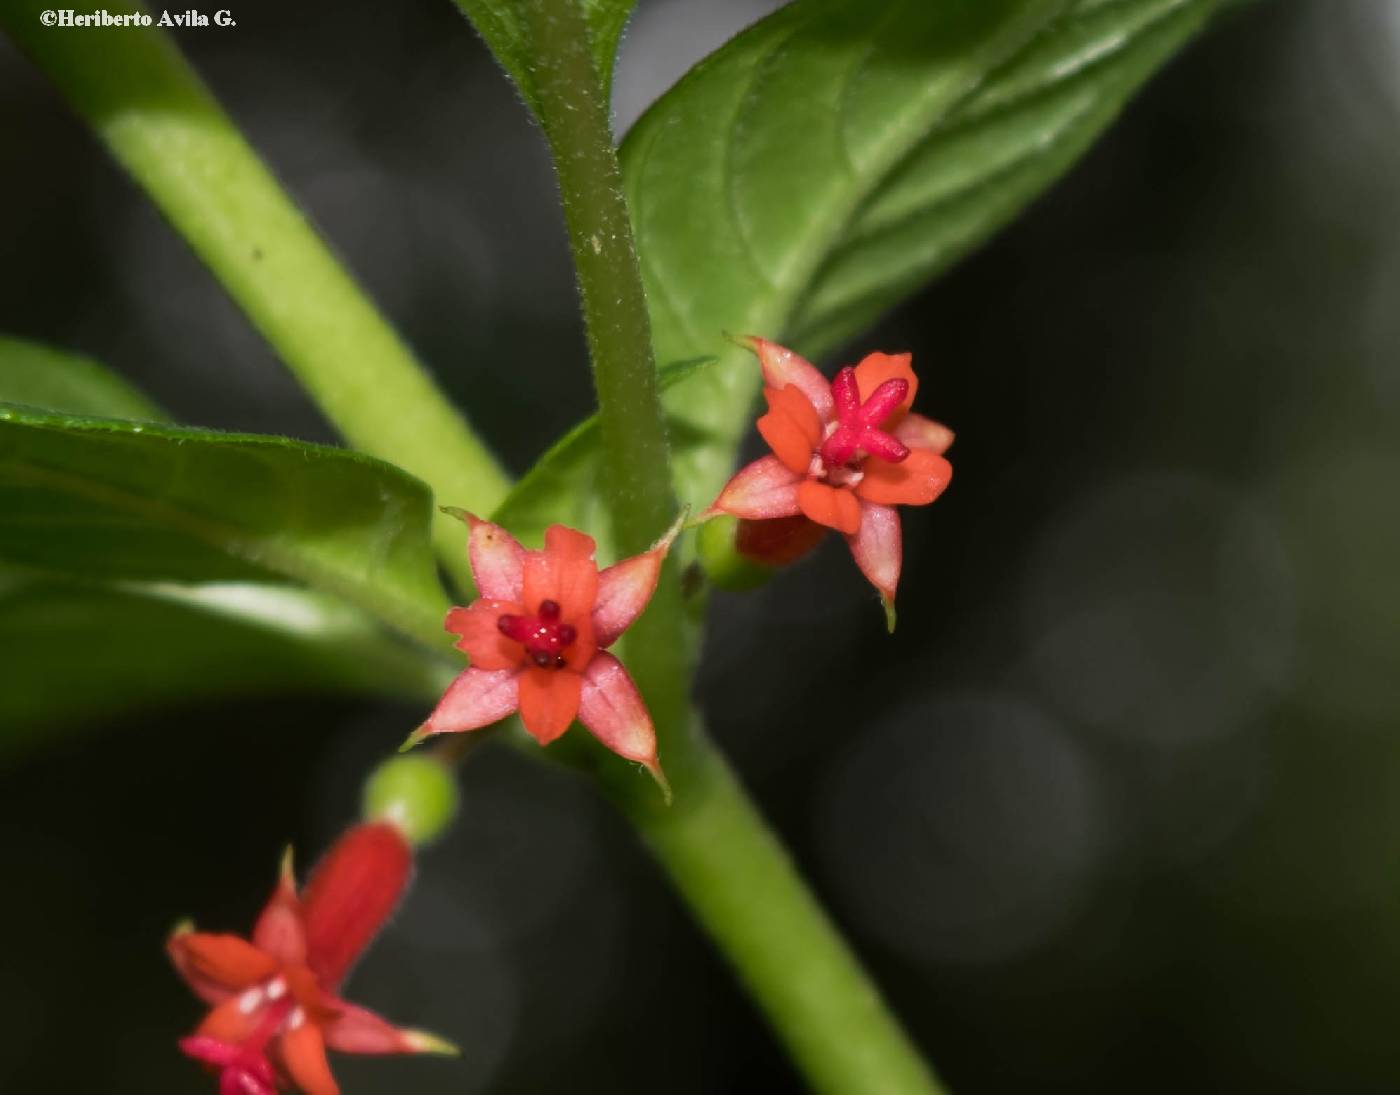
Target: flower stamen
(544, 637)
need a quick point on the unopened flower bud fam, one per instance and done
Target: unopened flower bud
(417, 794)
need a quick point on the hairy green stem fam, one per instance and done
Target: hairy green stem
(573, 110)
(161, 123)
(574, 113)
(713, 843)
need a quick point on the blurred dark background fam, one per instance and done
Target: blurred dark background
(1114, 811)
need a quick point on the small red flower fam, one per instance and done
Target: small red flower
(845, 453)
(275, 1003)
(538, 640)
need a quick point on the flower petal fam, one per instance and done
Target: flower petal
(874, 369)
(350, 895)
(782, 367)
(230, 1022)
(496, 558)
(304, 1057)
(566, 571)
(625, 588)
(477, 698)
(210, 1051)
(612, 709)
(790, 427)
(834, 507)
(359, 1030)
(479, 635)
(762, 490)
(915, 481)
(279, 929)
(216, 966)
(919, 432)
(211, 992)
(878, 550)
(548, 701)
(778, 542)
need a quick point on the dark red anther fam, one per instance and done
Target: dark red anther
(542, 635)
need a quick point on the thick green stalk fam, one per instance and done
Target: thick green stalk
(718, 850)
(742, 886)
(157, 118)
(574, 112)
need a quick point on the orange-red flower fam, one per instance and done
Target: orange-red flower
(845, 453)
(274, 1000)
(538, 640)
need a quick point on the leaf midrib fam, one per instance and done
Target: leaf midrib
(918, 120)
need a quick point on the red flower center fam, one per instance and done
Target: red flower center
(544, 637)
(857, 431)
(243, 1066)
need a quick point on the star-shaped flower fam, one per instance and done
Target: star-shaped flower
(845, 453)
(274, 1000)
(538, 640)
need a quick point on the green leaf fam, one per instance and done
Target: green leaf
(560, 487)
(835, 156)
(57, 380)
(504, 26)
(75, 654)
(109, 499)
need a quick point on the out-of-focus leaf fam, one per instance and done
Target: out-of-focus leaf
(76, 653)
(109, 499)
(561, 485)
(56, 380)
(834, 156)
(504, 27)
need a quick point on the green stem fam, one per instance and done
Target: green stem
(574, 113)
(636, 484)
(160, 122)
(714, 844)
(742, 886)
